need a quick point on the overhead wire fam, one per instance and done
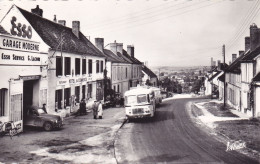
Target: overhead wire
(245, 25)
(136, 14)
(160, 19)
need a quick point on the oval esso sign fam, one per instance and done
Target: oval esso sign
(20, 30)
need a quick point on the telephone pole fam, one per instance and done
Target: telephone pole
(224, 70)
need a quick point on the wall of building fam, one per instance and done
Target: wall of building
(72, 80)
(257, 102)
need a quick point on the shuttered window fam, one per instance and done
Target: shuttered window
(2, 101)
(84, 66)
(67, 65)
(59, 66)
(97, 66)
(102, 66)
(90, 66)
(77, 66)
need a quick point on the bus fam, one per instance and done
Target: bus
(140, 103)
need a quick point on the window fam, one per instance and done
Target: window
(89, 90)
(77, 66)
(102, 66)
(83, 91)
(58, 99)
(3, 92)
(97, 66)
(118, 73)
(125, 72)
(67, 98)
(84, 66)
(77, 93)
(90, 66)
(59, 66)
(67, 65)
(118, 88)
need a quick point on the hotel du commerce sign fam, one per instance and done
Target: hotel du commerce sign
(14, 46)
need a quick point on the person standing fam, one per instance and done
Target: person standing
(44, 108)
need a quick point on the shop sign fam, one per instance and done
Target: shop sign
(62, 82)
(19, 29)
(19, 44)
(30, 77)
(21, 58)
(71, 81)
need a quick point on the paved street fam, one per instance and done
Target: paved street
(81, 140)
(172, 137)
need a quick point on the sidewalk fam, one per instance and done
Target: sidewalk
(229, 124)
(81, 140)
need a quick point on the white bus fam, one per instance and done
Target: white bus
(157, 95)
(139, 103)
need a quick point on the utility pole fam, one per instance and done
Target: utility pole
(224, 69)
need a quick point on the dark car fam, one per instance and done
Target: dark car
(37, 117)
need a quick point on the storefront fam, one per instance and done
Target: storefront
(23, 78)
(23, 67)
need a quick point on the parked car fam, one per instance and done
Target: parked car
(37, 117)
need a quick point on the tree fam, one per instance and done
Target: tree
(196, 86)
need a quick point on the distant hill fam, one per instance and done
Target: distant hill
(171, 69)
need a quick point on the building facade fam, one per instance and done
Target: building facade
(75, 65)
(23, 67)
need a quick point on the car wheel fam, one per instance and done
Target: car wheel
(47, 126)
(100, 117)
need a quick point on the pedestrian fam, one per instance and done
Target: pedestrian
(44, 108)
(82, 107)
(95, 109)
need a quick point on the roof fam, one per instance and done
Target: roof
(213, 76)
(222, 77)
(133, 59)
(257, 77)
(138, 91)
(112, 57)
(148, 71)
(51, 32)
(251, 55)
(3, 31)
(124, 57)
(234, 67)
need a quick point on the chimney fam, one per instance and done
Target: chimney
(119, 47)
(76, 28)
(116, 47)
(234, 57)
(247, 43)
(54, 19)
(37, 11)
(62, 22)
(131, 50)
(99, 42)
(241, 52)
(214, 63)
(113, 47)
(219, 65)
(211, 61)
(254, 37)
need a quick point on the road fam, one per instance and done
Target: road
(171, 137)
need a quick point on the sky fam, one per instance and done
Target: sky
(163, 32)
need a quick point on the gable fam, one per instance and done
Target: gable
(22, 33)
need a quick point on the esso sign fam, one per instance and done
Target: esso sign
(20, 30)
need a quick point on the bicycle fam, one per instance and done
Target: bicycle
(8, 128)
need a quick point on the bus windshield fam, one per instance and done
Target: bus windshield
(137, 99)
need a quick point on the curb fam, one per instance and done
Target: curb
(224, 138)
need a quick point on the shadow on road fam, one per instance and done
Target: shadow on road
(163, 113)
